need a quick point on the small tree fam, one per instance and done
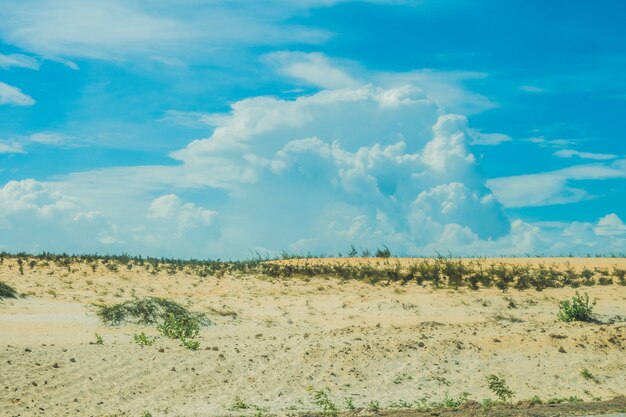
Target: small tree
(383, 252)
(498, 386)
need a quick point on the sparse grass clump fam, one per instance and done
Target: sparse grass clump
(6, 291)
(578, 309)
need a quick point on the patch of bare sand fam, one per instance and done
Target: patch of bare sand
(368, 342)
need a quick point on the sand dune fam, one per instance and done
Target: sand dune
(273, 341)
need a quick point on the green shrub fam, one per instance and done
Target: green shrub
(6, 291)
(323, 401)
(147, 310)
(578, 309)
(498, 386)
(179, 327)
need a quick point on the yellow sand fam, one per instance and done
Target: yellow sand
(368, 342)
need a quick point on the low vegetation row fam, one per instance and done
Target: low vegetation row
(439, 272)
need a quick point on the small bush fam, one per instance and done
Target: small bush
(99, 340)
(584, 372)
(349, 404)
(147, 310)
(498, 386)
(323, 401)
(6, 291)
(239, 404)
(143, 340)
(373, 406)
(179, 327)
(191, 344)
(578, 309)
(451, 402)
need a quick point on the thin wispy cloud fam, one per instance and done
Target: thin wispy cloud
(13, 96)
(18, 61)
(570, 153)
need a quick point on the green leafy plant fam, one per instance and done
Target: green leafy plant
(584, 372)
(349, 404)
(578, 309)
(179, 327)
(143, 340)
(99, 340)
(498, 386)
(451, 402)
(191, 344)
(239, 404)
(373, 406)
(322, 400)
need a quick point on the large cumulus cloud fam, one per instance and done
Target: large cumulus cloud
(363, 165)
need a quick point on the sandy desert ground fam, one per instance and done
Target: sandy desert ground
(274, 342)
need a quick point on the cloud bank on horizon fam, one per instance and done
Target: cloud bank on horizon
(165, 140)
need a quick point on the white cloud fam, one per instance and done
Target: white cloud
(18, 60)
(33, 196)
(610, 225)
(569, 153)
(447, 151)
(10, 148)
(313, 68)
(317, 173)
(165, 31)
(14, 96)
(37, 216)
(551, 143)
(479, 138)
(532, 89)
(446, 88)
(366, 165)
(48, 138)
(185, 216)
(553, 187)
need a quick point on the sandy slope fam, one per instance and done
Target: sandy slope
(371, 343)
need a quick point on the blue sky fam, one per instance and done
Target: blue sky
(207, 128)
